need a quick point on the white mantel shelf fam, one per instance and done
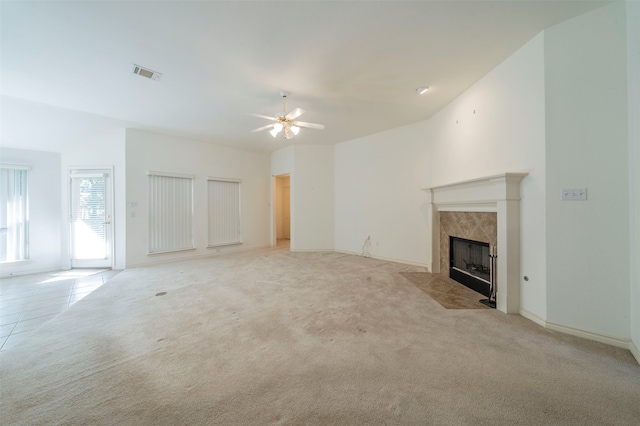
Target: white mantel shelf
(497, 193)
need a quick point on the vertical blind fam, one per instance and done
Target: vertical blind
(170, 212)
(224, 212)
(88, 216)
(14, 217)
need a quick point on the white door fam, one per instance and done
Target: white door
(91, 218)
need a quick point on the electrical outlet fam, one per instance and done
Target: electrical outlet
(574, 194)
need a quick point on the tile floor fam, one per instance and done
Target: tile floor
(28, 301)
(447, 292)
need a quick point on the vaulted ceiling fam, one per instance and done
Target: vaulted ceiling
(352, 65)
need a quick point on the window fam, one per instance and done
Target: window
(170, 212)
(224, 212)
(14, 214)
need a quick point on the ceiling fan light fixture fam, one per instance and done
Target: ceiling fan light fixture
(286, 123)
(288, 134)
(422, 90)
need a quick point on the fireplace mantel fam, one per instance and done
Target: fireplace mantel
(500, 194)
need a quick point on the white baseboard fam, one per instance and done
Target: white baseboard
(533, 317)
(193, 257)
(388, 259)
(589, 335)
(32, 272)
(634, 351)
(598, 337)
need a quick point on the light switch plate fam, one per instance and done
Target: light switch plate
(574, 194)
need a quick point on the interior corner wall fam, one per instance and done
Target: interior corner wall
(312, 198)
(588, 265)
(633, 90)
(44, 211)
(151, 151)
(378, 197)
(496, 126)
(100, 149)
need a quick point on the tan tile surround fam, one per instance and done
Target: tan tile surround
(477, 226)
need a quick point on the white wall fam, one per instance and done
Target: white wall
(633, 90)
(79, 139)
(104, 148)
(378, 181)
(498, 126)
(587, 146)
(282, 161)
(494, 127)
(44, 211)
(312, 189)
(149, 151)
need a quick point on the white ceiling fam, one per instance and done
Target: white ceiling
(352, 65)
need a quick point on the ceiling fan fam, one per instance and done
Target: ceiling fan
(286, 123)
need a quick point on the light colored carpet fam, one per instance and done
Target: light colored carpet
(274, 337)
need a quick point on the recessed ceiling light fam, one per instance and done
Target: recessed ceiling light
(422, 90)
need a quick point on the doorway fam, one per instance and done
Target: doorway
(282, 209)
(91, 217)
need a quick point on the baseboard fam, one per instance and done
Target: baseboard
(388, 259)
(533, 317)
(590, 335)
(32, 272)
(634, 351)
(195, 256)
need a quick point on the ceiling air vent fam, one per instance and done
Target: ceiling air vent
(145, 72)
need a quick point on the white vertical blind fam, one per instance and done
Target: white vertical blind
(88, 216)
(170, 213)
(224, 212)
(14, 214)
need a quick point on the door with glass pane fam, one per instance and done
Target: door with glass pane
(91, 218)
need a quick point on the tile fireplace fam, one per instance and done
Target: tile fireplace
(465, 205)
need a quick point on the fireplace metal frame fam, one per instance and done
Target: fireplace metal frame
(475, 283)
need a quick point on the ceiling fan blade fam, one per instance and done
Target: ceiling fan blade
(263, 116)
(295, 114)
(268, 126)
(308, 125)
